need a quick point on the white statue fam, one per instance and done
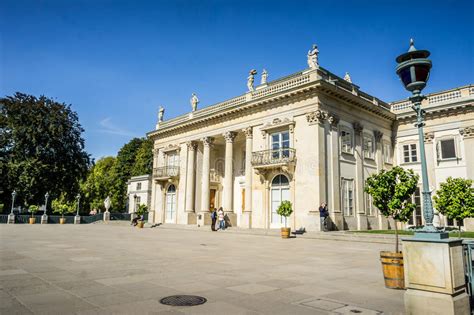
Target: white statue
(194, 102)
(161, 114)
(107, 204)
(347, 77)
(313, 62)
(264, 77)
(251, 79)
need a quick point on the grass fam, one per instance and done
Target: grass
(453, 234)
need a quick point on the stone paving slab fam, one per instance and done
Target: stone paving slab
(128, 270)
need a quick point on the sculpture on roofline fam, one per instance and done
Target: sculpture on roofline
(264, 77)
(161, 114)
(251, 79)
(347, 77)
(194, 102)
(313, 53)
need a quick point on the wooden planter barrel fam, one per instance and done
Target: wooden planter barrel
(140, 224)
(285, 232)
(392, 267)
(32, 220)
(62, 220)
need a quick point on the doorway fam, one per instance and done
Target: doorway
(170, 204)
(280, 191)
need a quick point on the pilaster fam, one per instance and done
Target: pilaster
(430, 151)
(246, 218)
(229, 137)
(359, 187)
(334, 200)
(206, 160)
(190, 180)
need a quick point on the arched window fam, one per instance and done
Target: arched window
(170, 204)
(280, 191)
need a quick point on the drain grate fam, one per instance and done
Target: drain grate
(183, 300)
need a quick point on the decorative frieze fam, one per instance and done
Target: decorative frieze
(428, 137)
(229, 136)
(171, 147)
(318, 116)
(277, 123)
(467, 132)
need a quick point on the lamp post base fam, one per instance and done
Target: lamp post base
(106, 216)
(77, 219)
(44, 219)
(11, 218)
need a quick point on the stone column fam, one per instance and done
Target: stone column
(378, 135)
(468, 138)
(359, 189)
(204, 217)
(334, 177)
(229, 137)
(190, 180)
(246, 218)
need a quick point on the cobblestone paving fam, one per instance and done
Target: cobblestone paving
(117, 269)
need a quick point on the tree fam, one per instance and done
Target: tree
(455, 199)
(285, 209)
(392, 192)
(41, 149)
(144, 159)
(99, 183)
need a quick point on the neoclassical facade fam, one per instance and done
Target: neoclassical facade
(309, 138)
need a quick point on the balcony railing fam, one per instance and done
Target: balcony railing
(166, 172)
(272, 157)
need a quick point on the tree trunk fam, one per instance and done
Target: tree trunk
(459, 232)
(396, 236)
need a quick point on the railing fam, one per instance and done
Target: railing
(166, 171)
(92, 218)
(86, 219)
(282, 86)
(269, 157)
(469, 268)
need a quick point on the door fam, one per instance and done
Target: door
(280, 191)
(171, 204)
(212, 199)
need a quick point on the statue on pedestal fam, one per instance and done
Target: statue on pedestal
(347, 77)
(313, 53)
(161, 114)
(251, 79)
(264, 77)
(107, 204)
(194, 102)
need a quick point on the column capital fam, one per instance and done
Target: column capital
(333, 120)
(207, 141)
(192, 145)
(229, 136)
(357, 128)
(428, 137)
(378, 135)
(318, 116)
(248, 132)
(467, 132)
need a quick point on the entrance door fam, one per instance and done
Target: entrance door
(212, 199)
(170, 204)
(280, 191)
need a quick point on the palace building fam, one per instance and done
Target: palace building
(309, 138)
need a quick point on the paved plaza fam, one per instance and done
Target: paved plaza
(108, 269)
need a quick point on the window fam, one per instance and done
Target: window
(368, 147)
(369, 207)
(446, 149)
(387, 152)
(348, 196)
(139, 186)
(409, 153)
(280, 141)
(416, 218)
(172, 159)
(346, 141)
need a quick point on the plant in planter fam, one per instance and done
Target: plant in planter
(33, 209)
(62, 208)
(391, 193)
(141, 210)
(285, 210)
(455, 199)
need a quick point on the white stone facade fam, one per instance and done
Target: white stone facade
(139, 192)
(311, 137)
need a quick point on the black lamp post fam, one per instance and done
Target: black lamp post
(414, 70)
(13, 201)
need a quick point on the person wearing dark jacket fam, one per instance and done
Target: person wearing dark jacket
(323, 215)
(214, 219)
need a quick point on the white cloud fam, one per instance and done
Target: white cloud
(107, 126)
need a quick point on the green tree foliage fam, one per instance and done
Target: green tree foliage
(62, 206)
(99, 183)
(33, 209)
(455, 199)
(41, 149)
(392, 192)
(144, 159)
(285, 209)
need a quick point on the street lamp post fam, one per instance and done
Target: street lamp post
(44, 217)
(77, 218)
(11, 216)
(414, 70)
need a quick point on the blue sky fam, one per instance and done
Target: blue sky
(117, 61)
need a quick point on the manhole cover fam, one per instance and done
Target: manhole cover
(183, 300)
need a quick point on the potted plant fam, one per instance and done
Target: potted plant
(61, 208)
(285, 210)
(455, 199)
(33, 209)
(141, 210)
(391, 193)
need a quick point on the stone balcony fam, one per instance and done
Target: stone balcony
(165, 172)
(273, 158)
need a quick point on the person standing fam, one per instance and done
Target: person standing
(220, 214)
(214, 219)
(323, 215)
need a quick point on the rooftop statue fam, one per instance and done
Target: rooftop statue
(251, 79)
(264, 77)
(194, 102)
(313, 53)
(347, 77)
(161, 114)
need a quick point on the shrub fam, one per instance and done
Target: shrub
(285, 209)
